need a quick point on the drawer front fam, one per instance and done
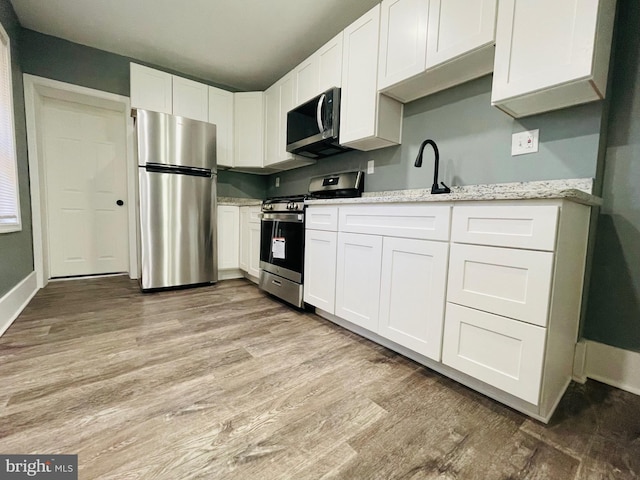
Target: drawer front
(519, 226)
(504, 281)
(504, 353)
(407, 221)
(321, 218)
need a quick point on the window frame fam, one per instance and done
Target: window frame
(5, 42)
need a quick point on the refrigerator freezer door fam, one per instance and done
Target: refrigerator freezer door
(177, 229)
(170, 140)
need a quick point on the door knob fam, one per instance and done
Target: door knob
(119, 203)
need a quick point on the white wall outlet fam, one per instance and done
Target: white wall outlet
(524, 142)
(370, 165)
(277, 181)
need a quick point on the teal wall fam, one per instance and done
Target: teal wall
(58, 59)
(613, 309)
(16, 251)
(474, 140)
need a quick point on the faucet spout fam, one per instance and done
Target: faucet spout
(435, 189)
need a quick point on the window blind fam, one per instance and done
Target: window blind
(9, 204)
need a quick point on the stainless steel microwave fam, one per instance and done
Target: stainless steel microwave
(313, 127)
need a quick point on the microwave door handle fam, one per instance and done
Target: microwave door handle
(319, 113)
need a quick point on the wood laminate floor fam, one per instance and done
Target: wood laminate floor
(225, 382)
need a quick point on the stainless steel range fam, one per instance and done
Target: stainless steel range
(282, 234)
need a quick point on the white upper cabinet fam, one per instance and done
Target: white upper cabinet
(221, 114)
(551, 54)
(458, 27)
(330, 64)
(248, 127)
(429, 45)
(368, 120)
(319, 72)
(151, 89)
(278, 100)
(190, 99)
(403, 40)
(307, 80)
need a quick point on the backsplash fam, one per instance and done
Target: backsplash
(474, 140)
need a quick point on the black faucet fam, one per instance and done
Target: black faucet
(434, 188)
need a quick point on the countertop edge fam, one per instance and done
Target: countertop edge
(238, 202)
(573, 195)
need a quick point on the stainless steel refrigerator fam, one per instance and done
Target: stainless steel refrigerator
(177, 198)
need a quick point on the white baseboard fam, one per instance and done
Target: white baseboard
(229, 273)
(12, 304)
(611, 365)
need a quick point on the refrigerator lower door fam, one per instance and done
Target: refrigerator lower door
(177, 230)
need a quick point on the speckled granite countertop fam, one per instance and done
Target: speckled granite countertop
(577, 190)
(238, 202)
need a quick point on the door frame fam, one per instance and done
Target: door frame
(35, 90)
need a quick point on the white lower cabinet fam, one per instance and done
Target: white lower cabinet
(320, 269)
(502, 352)
(500, 316)
(412, 294)
(358, 279)
(228, 237)
(250, 241)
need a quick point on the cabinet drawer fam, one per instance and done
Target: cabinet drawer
(522, 226)
(504, 353)
(407, 221)
(322, 218)
(513, 283)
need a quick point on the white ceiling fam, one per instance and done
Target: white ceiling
(247, 44)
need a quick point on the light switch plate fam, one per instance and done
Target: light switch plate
(277, 182)
(370, 167)
(525, 142)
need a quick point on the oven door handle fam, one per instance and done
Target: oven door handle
(283, 217)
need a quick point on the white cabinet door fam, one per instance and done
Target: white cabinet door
(228, 237)
(551, 54)
(221, 114)
(190, 99)
(250, 240)
(254, 250)
(330, 64)
(272, 124)
(248, 129)
(307, 80)
(412, 294)
(244, 239)
(320, 252)
(151, 89)
(358, 279)
(368, 120)
(403, 40)
(457, 27)
(504, 353)
(279, 99)
(505, 281)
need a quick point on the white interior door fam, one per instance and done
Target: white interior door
(84, 151)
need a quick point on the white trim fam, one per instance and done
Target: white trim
(35, 88)
(12, 227)
(229, 273)
(14, 301)
(579, 362)
(613, 366)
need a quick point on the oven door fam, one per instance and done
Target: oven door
(282, 244)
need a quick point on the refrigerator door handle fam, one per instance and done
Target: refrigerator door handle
(195, 171)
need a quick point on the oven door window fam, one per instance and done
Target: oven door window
(282, 244)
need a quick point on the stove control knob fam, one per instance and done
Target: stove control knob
(291, 206)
